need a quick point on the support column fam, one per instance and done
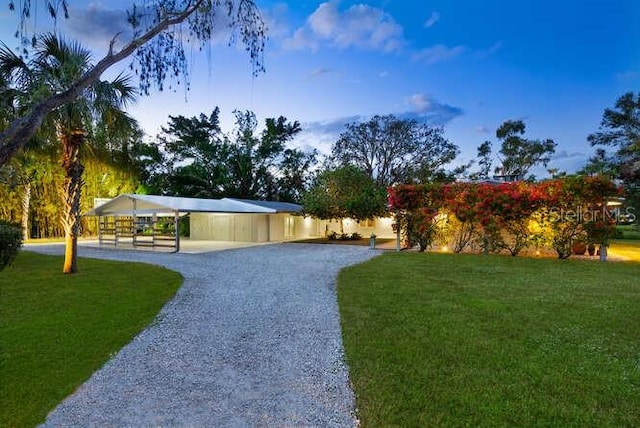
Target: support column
(176, 223)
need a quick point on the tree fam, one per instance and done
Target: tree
(101, 102)
(620, 129)
(254, 159)
(200, 149)
(160, 31)
(198, 159)
(56, 65)
(484, 162)
(391, 150)
(345, 192)
(518, 154)
(293, 176)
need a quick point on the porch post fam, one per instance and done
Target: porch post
(176, 221)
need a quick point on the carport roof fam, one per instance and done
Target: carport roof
(128, 204)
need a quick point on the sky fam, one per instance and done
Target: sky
(464, 65)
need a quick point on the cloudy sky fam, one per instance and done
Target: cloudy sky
(464, 65)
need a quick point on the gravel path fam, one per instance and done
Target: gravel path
(251, 339)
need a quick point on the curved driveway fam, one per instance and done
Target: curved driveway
(252, 338)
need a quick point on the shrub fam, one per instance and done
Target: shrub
(10, 242)
(332, 236)
(355, 236)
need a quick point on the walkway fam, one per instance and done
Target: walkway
(251, 339)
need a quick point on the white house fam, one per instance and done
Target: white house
(151, 221)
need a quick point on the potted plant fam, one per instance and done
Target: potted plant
(579, 248)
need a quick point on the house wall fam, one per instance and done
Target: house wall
(380, 226)
(277, 227)
(250, 227)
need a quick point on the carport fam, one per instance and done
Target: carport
(152, 221)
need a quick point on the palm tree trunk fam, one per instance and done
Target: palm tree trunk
(72, 190)
(26, 201)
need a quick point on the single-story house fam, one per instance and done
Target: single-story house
(152, 221)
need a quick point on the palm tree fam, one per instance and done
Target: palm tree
(54, 67)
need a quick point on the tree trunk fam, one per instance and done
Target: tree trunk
(72, 190)
(26, 202)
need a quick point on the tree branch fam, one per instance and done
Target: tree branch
(22, 129)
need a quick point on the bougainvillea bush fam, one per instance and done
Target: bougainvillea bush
(506, 217)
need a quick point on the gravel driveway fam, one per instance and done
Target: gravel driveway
(251, 339)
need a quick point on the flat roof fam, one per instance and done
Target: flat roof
(129, 204)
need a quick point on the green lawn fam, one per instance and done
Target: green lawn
(629, 231)
(56, 329)
(472, 340)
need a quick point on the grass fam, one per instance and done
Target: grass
(629, 231)
(471, 340)
(56, 330)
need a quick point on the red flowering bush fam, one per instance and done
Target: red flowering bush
(496, 217)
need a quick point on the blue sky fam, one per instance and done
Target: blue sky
(464, 65)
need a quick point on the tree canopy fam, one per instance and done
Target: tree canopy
(392, 150)
(517, 155)
(160, 31)
(620, 130)
(344, 192)
(196, 158)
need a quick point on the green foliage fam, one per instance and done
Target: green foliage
(335, 236)
(345, 192)
(56, 330)
(10, 242)
(465, 340)
(620, 129)
(508, 216)
(517, 154)
(199, 160)
(160, 29)
(391, 150)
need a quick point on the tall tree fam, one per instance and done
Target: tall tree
(198, 159)
(160, 31)
(254, 158)
(200, 150)
(485, 161)
(294, 174)
(392, 150)
(620, 130)
(519, 154)
(55, 66)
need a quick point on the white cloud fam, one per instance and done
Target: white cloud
(97, 25)
(360, 26)
(276, 20)
(420, 102)
(435, 17)
(490, 51)
(438, 53)
(384, 73)
(428, 110)
(483, 130)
